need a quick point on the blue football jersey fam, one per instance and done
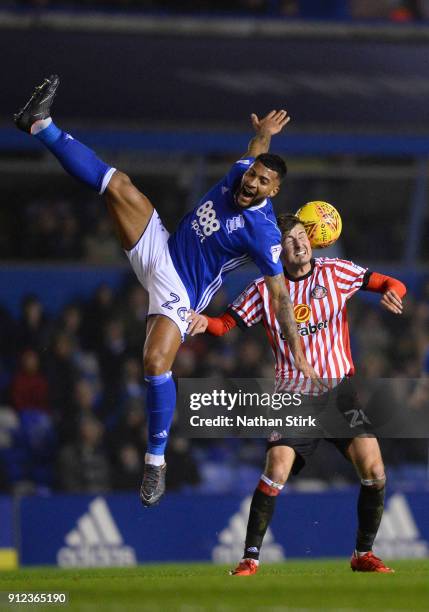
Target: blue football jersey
(219, 236)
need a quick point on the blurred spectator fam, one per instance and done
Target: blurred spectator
(42, 232)
(128, 468)
(99, 310)
(185, 363)
(406, 10)
(130, 429)
(371, 333)
(70, 323)
(134, 316)
(250, 359)
(367, 9)
(37, 443)
(103, 246)
(182, 468)
(29, 387)
(111, 355)
(33, 329)
(373, 365)
(70, 245)
(128, 443)
(87, 400)
(132, 385)
(84, 466)
(62, 374)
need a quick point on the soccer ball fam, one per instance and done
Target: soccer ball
(322, 223)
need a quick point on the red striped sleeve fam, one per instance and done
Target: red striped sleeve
(349, 277)
(249, 305)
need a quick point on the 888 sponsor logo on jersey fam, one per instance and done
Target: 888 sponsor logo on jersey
(206, 223)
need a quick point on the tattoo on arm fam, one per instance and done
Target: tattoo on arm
(283, 308)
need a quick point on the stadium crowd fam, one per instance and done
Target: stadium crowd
(393, 10)
(72, 393)
(34, 222)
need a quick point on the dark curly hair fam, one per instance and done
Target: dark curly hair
(273, 162)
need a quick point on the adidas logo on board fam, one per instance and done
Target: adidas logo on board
(96, 541)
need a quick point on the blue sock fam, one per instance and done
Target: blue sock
(161, 402)
(77, 159)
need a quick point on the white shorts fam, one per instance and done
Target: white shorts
(152, 263)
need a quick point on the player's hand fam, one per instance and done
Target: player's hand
(392, 302)
(309, 372)
(197, 323)
(272, 124)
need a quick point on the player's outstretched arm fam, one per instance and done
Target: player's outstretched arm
(265, 128)
(283, 309)
(215, 326)
(392, 291)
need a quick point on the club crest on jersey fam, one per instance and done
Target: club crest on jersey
(234, 223)
(319, 292)
(275, 252)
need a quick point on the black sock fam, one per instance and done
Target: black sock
(370, 511)
(261, 512)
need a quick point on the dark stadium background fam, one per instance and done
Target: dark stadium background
(166, 95)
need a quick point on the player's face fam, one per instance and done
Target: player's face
(296, 247)
(257, 184)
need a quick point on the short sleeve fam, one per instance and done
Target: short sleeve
(350, 277)
(248, 307)
(237, 171)
(264, 247)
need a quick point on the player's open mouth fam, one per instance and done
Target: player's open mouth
(302, 252)
(246, 194)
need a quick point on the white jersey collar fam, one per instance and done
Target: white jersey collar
(261, 205)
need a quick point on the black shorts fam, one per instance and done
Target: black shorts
(342, 402)
(305, 447)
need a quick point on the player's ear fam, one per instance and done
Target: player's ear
(274, 191)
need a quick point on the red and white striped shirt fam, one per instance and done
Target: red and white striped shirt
(319, 300)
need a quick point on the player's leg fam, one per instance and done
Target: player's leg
(279, 462)
(278, 465)
(163, 340)
(132, 213)
(365, 454)
(131, 210)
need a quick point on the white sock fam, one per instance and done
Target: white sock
(40, 125)
(271, 483)
(154, 459)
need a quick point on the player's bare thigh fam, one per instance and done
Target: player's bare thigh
(130, 210)
(365, 454)
(279, 463)
(163, 340)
